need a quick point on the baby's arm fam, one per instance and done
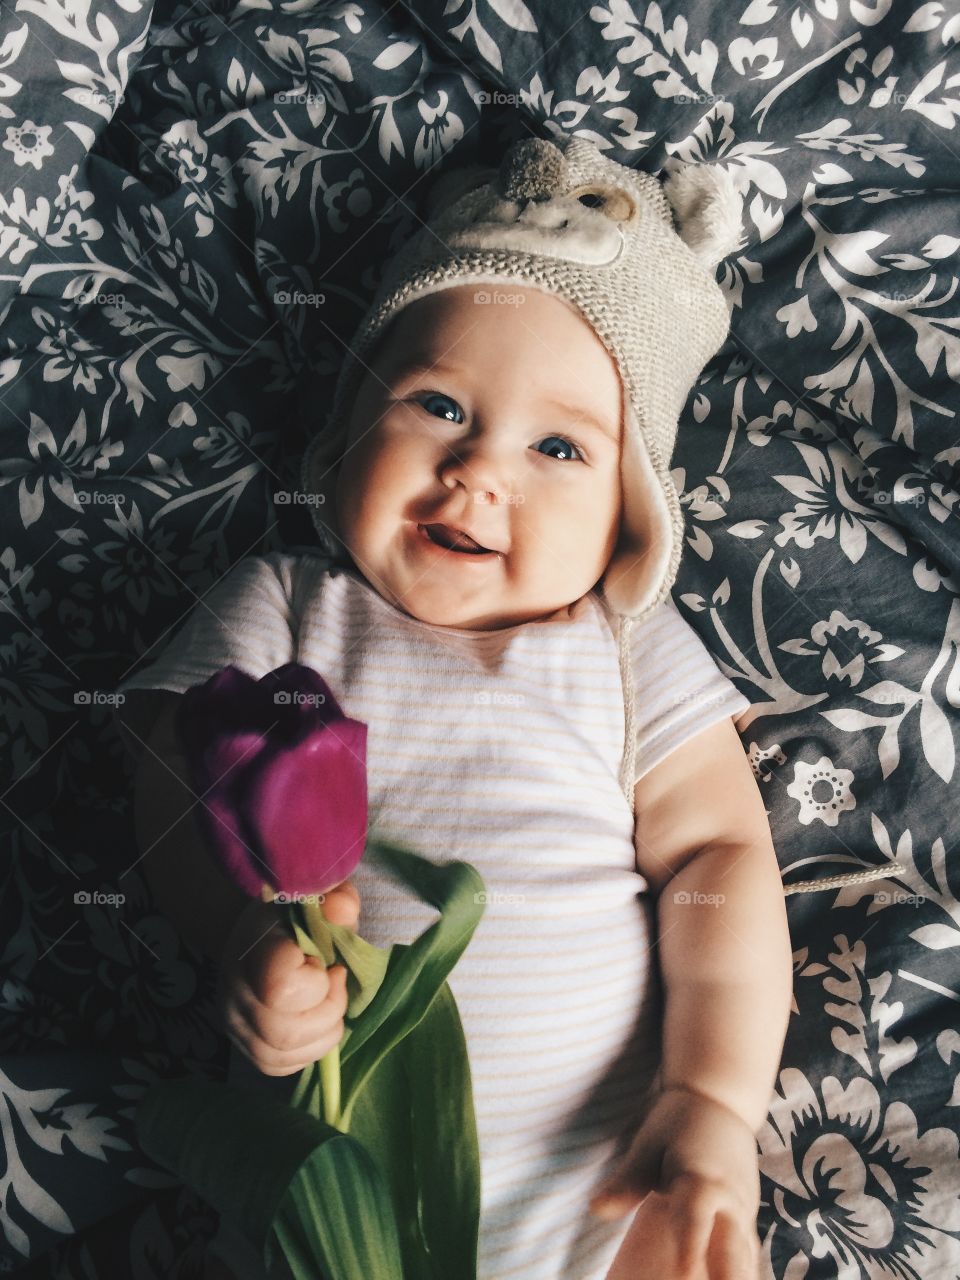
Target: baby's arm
(704, 845)
(282, 1009)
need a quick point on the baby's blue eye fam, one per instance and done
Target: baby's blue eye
(436, 395)
(567, 444)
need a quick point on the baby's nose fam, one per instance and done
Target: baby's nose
(486, 489)
(481, 474)
(480, 466)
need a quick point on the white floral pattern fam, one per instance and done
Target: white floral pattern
(197, 202)
(870, 1188)
(30, 144)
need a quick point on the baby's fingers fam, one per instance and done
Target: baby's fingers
(693, 1223)
(710, 1232)
(730, 1254)
(282, 976)
(279, 1043)
(271, 1061)
(341, 904)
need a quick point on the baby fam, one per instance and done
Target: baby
(499, 534)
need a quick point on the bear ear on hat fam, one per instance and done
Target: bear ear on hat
(450, 186)
(708, 209)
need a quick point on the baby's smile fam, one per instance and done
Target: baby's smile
(480, 486)
(455, 539)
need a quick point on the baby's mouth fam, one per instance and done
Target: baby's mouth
(454, 540)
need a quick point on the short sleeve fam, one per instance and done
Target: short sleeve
(244, 620)
(678, 687)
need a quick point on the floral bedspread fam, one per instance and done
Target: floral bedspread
(196, 200)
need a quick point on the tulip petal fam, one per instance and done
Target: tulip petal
(283, 805)
(308, 696)
(308, 804)
(225, 831)
(221, 707)
(229, 754)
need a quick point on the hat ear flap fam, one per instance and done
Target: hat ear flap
(708, 210)
(450, 186)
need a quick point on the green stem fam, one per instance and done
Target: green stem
(330, 1080)
(303, 1089)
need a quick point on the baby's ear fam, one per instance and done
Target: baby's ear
(453, 184)
(708, 209)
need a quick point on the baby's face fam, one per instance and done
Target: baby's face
(502, 420)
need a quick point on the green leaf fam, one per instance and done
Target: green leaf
(257, 1160)
(415, 971)
(428, 1150)
(313, 935)
(337, 1215)
(366, 965)
(306, 1095)
(383, 1122)
(446, 1149)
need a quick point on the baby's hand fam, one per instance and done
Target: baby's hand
(692, 1169)
(281, 1008)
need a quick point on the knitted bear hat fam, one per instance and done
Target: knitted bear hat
(601, 236)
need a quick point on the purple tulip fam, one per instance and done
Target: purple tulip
(282, 776)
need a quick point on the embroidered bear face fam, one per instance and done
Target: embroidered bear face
(577, 204)
(541, 200)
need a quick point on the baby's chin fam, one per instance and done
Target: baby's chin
(435, 610)
(463, 597)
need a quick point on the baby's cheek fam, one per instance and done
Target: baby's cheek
(363, 457)
(406, 456)
(379, 479)
(589, 516)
